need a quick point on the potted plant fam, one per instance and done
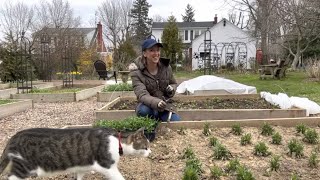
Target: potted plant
(132, 124)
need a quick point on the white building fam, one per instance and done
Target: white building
(229, 43)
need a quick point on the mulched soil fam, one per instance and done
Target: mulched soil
(212, 103)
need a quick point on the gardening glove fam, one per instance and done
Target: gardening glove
(169, 89)
(162, 105)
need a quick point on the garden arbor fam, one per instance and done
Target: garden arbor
(23, 59)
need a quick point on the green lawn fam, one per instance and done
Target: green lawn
(5, 101)
(295, 84)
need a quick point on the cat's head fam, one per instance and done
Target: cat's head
(139, 144)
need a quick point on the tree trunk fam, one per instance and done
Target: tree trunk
(296, 59)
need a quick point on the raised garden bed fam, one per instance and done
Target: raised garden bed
(59, 94)
(168, 159)
(9, 107)
(194, 113)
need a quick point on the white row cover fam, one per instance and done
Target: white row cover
(284, 102)
(210, 82)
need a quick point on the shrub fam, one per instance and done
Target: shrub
(276, 138)
(216, 172)
(206, 129)
(261, 149)
(301, 128)
(244, 174)
(236, 129)
(295, 148)
(213, 141)
(313, 69)
(266, 129)
(245, 139)
(311, 136)
(274, 163)
(195, 164)
(118, 87)
(221, 152)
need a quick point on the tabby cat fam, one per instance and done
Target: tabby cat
(45, 152)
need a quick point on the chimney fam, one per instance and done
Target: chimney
(99, 38)
(215, 19)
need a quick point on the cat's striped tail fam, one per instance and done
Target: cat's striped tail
(4, 161)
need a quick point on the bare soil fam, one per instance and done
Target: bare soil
(210, 103)
(165, 162)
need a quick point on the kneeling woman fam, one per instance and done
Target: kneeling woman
(153, 82)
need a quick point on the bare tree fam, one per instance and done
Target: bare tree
(261, 14)
(300, 23)
(116, 20)
(159, 18)
(16, 19)
(55, 14)
(241, 20)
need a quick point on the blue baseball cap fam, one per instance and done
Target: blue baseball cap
(148, 43)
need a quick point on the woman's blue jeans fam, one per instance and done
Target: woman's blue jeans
(143, 110)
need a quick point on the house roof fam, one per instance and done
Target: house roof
(203, 24)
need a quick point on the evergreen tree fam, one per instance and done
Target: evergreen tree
(141, 22)
(172, 42)
(189, 17)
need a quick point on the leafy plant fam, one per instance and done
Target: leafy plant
(216, 172)
(182, 131)
(267, 129)
(245, 139)
(190, 174)
(213, 141)
(275, 163)
(301, 128)
(188, 153)
(261, 149)
(313, 160)
(5, 101)
(221, 152)
(118, 87)
(206, 129)
(295, 176)
(311, 136)
(131, 123)
(236, 129)
(233, 165)
(244, 173)
(195, 164)
(276, 138)
(295, 147)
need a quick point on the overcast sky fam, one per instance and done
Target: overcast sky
(205, 10)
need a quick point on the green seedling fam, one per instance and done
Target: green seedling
(188, 153)
(233, 165)
(261, 149)
(313, 160)
(195, 164)
(221, 152)
(275, 163)
(190, 174)
(244, 173)
(295, 148)
(245, 139)
(236, 129)
(182, 131)
(311, 136)
(276, 138)
(267, 129)
(216, 172)
(213, 141)
(301, 128)
(206, 129)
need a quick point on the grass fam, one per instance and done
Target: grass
(295, 83)
(5, 101)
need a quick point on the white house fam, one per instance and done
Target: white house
(229, 44)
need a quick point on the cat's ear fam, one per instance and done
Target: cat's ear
(140, 131)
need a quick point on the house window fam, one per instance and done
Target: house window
(191, 35)
(196, 33)
(186, 33)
